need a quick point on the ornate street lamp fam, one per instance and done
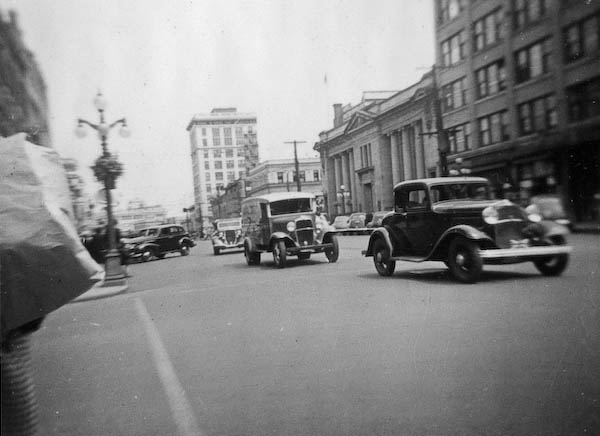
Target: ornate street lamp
(106, 169)
(342, 198)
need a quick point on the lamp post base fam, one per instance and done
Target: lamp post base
(113, 270)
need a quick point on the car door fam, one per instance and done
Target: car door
(264, 223)
(164, 238)
(419, 229)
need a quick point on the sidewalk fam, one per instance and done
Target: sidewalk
(586, 227)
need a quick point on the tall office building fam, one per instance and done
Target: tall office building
(519, 82)
(223, 148)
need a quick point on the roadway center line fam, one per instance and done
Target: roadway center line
(181, 410)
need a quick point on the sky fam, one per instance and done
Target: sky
(160, 62)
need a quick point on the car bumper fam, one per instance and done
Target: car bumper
(223, 246)
(525, 252)
(315, 248)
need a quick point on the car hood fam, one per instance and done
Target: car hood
(461, 206)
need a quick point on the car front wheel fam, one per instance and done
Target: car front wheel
(464, 260)
(185, 250)
(279, 254)
(148, 254)
(252, 258)
(383, 265)
(333, 252)
(555, 265)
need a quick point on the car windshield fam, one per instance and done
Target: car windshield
(152, 232)
(228, 224)
(459, 191)
(291, 205)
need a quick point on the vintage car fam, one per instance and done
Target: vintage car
(552, 207)
(227, 235)
(156, 242)
(285, 224)
(377, 219)
(455, 220)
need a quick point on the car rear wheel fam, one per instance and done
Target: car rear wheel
(252, 258)
(464, 260)
(333, 252)
(279, 254)
(555, 265)
(381, 256)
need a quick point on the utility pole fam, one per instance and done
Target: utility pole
(443, 142)
(296, 161)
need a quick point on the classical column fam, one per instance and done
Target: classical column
(353, 179)
(345, 178)
(395, 158)
(406, 154)
(331, 189)
(419, 155)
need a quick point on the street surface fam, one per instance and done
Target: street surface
(205, 345)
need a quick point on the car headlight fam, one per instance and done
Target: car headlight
(238, 233)
(291, 226)
(319, 226)
(490, 215)
(221, 234)
(533, 213)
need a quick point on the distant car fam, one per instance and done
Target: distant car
(157, 242)
(377, 218)
(552, 207)
(455, 220)
(227, 235)
(341, 222)
(285, 224)
(357, 220)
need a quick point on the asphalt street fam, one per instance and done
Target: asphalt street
(206, 345)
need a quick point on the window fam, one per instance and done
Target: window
(537, 115)
(454, 95)
(533, 61)
(205, 154)
(218, 165)
(219, 176)
(241, 163)
(216, 133)
(581, 38)
(488, 30)
(460, 138)
(582, 100)
(206, 165)
(227, 134)
(230, 163)
(302, 176)
(493, 128)
(411, 198)
(217, 154)
(204, 142)
(203, 131)
(229, 152)
(280, 177)
(208, 188)
(453, 49)
(316, 176)
(491, 79)
(230, 176)
(207, 177)
(528, 11)
(449, 9)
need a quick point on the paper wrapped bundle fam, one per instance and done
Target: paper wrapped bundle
(43, 264)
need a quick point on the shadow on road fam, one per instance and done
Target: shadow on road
(440, 275)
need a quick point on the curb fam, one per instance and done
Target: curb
(98, 291)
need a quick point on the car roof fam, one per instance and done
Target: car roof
(442, 180)
(161, 226)
(277, 196)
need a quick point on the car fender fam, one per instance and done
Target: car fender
(251, 245)
(148, 244)
(379, 233)
(328, 235)
(281, 236)
(186, 241)
(552, 228)
(463, 230)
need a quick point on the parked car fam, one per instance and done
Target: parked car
(357, 220)
(157, 242)
(377, 219)
(285, 224)
(227, 235)
(456, 221)
(552, 207)
(341, 222)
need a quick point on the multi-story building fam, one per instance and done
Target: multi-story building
(279, 175)
(23, 102)
(136, 215)
(223, 147)
(519, 82)
(383, 140)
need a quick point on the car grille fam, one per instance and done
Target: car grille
(508, 231)
(303, 224)
(305, 237)
(230, 236)
(511, 212)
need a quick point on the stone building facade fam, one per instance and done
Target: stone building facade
(387, 138)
